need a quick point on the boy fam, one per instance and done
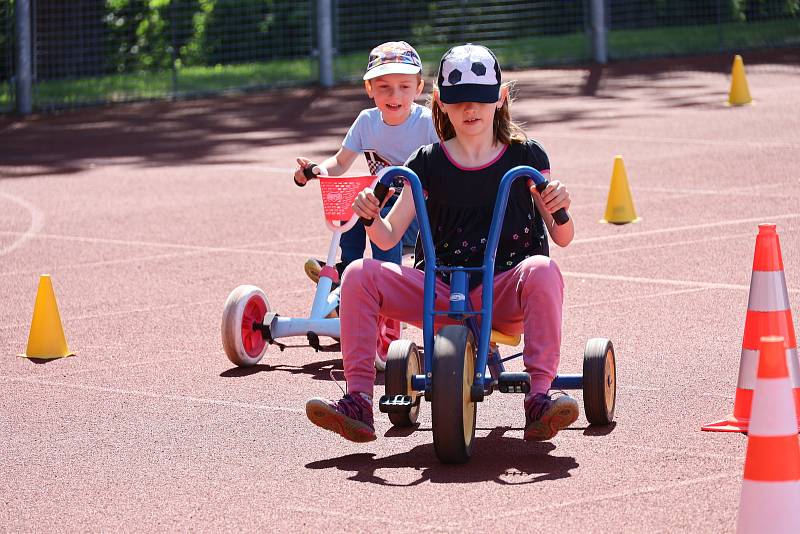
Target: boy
(386, 134)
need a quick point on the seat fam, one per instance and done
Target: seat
(499, 338)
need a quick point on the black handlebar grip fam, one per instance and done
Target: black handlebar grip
(380, 192)
(308, 172)
(560, 216)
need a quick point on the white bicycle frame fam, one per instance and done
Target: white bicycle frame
(325, 300)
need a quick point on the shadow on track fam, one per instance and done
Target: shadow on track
(316, 370)
(225, 130)
(496, 458)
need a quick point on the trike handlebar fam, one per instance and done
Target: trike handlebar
(560, 216)
(308, 172)
(380, 192)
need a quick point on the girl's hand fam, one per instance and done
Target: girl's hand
(555, 196)
(366, 204)
(299, 177)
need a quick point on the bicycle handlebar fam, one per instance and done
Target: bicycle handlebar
(308, 172)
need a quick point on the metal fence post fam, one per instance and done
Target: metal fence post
(325, 42)
(24, 77)
(173, 52)
(599, 36)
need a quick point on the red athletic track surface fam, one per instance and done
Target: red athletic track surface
(147, 215)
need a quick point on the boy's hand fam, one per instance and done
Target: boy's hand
(366, 204)
(555, 196)
(303, 163)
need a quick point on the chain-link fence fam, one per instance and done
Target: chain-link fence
(6, 56)
(98, 51)
(650, 28)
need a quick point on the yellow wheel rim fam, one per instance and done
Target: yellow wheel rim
(468, 410)
(610, 379)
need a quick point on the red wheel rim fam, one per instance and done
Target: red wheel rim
(254, 312)
(388, 331)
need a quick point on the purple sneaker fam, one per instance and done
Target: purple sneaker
(545, 416)
(350, 417)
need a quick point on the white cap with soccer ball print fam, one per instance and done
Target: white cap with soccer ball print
(469, 73)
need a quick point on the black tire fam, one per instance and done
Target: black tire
(452, 406)
(402, 363)
(599, 381)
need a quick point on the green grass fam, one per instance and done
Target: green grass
(691, 40)
(155, 85)
(523, 52)
(570, 48)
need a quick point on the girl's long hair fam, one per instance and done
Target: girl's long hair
(506, 131)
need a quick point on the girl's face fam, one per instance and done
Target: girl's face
(394, 94)
(473, 118)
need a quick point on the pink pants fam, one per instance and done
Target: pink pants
(527, 300)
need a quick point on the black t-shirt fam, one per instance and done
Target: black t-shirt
(460, 202)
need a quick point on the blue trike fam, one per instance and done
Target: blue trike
(460, 364)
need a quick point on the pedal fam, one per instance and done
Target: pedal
(395, 403)
(514, 383)
(313, 341)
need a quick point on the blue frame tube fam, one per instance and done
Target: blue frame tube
(410, 177)
(429, 297)
(487, 294)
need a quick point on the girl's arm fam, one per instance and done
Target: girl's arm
(387, 232)
(554, 197)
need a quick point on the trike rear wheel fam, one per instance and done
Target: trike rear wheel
(402, 363)
(453, 410)
(599, 381)
(245, 307)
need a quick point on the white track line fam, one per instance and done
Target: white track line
(622, 494)
(148, 394)
(683, 141)
(660, 281)
(34, 227)
(688, 228)
(152, 244)
(749, 189)
(144, 310)
(628, 235)
(636, 297)
(154, 257)
(666, 244)
(368, 519)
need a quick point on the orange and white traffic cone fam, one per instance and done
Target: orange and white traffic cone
(768, 314)
(770, 498)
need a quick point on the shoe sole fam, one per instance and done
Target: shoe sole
(312, 270)
(324, 416)
(560, 415)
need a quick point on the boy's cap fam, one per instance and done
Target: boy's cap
(469, 73)
(394, 57)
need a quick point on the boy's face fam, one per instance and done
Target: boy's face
(393, 95)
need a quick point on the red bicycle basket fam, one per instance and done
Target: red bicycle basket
(338, 194)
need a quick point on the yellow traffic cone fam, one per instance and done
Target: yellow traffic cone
(46, 339)
(739, 93)
(619, 208)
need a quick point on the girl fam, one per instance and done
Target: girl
(460, 176)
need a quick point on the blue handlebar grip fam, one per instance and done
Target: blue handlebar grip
(380, 192)
(560, 216)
